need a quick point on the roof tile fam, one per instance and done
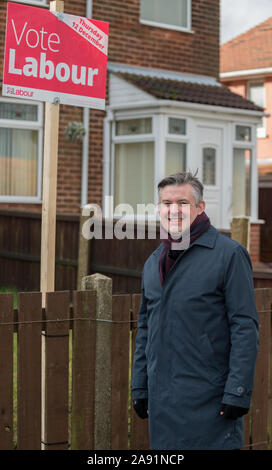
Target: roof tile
(249, 50)
(175, 90)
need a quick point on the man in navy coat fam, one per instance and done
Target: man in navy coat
(197, 338)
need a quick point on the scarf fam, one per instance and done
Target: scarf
(169, 256)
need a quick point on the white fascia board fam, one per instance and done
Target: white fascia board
(218, 110)
(246, 73)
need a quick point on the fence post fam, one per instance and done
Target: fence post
(83, 253)
(240, 230)
(102, 285)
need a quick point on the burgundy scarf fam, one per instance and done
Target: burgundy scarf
(168, 256)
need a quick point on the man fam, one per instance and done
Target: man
(197, 333)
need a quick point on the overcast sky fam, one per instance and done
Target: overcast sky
(237, 16)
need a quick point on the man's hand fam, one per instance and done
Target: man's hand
(232, 412)
(141, 407)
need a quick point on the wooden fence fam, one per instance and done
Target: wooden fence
(74, 408)
(122, 260)
(20, 250)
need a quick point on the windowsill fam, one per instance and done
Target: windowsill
(256, 221)
(166, 26)
(33, 2)
(19, 200)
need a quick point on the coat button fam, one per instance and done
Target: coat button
(240, 390)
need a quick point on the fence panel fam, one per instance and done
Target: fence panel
(56, 370)
(6, 372)
(139, 427)
(29, 371)
(120, 371)
(127, 430)
(83, 370)
(260, 398)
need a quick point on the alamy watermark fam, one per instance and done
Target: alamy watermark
(123, 222)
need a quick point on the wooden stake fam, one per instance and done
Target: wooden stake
(50, 168)
(48, 235)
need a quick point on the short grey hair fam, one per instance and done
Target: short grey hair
(179, 179)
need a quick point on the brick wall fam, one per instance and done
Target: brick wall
(136, 44)
(254, 243)
(130, 43)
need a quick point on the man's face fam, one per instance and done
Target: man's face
(177, 204)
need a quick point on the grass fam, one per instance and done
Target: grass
(10, 290)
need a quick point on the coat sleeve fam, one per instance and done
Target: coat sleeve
(139, 371)
(243, 328)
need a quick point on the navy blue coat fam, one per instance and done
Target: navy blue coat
(197, 344)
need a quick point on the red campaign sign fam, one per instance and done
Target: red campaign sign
(55, 57)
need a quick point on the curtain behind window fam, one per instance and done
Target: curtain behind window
(134, 174)
(241, 182)
(18, 162)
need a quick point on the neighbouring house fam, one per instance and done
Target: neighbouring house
(166, 112)
(246, 69)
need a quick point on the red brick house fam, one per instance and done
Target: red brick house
(166, 111)
(246, 69)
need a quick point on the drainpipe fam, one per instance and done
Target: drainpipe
(85, 142)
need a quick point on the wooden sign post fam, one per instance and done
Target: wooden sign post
(50, 169)
(41, 65)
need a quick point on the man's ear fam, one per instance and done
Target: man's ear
(201, 207)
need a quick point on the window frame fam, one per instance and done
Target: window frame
(29, 125)
(252, 146)
(261, 131)
(176, 138)
(127, 139)
(156, 24)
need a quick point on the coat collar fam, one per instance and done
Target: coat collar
(207, 239)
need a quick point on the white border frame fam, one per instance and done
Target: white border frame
(32, 125)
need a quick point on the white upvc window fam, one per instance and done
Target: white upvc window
(144, 149)
(132, 162)
(243, 185)
(171, 14)
(34, 2)
(176, 145)
(256, 93)
(21, 140)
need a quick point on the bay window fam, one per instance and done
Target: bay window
(143, 151)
